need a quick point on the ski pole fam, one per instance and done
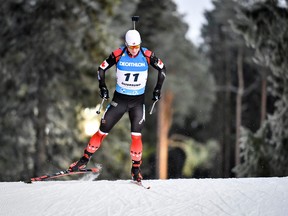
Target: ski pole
(152, 108)
(98, 111)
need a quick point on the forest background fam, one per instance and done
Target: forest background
(223, 111)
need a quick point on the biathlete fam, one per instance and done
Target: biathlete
(132, 63)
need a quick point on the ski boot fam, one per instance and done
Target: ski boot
(77, 165)
(136, 171)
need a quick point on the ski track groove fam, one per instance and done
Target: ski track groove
(123, 201)
(99, 200)
(222, 204)
(80, 197)
(164, 199)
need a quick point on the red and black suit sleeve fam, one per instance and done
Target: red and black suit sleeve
(156, 63)
(106, 64)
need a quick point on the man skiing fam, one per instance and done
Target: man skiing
(132, 63)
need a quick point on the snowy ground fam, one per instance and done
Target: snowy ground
(179, 197)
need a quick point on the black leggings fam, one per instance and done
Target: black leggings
(121, 104)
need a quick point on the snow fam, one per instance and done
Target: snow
(234, 196)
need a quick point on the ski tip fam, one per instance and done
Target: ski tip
(146, 187)
(95, 170)
(140, 184)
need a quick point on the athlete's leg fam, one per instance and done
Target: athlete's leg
(111, 116)
(137, 118)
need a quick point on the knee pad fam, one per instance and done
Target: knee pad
(136, 146)
(95, 141)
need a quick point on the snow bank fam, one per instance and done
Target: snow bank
(245, 196)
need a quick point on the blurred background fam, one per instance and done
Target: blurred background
(223, 111)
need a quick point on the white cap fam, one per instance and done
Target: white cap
(132, 38)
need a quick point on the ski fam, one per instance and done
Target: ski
(63, 173)
(140, 184)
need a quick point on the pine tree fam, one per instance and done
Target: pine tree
(223, 47)
(264, 26)
(47, 50)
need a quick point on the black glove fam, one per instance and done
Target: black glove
(104, 93)
(156, 95)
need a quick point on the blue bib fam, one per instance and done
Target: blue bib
(132, 74)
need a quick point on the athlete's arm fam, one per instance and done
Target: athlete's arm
(106, 64)
(156, 63)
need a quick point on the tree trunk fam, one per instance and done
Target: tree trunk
(263, 96)
(164, 123)
(239, 104)
(41, 136)
(226, 163)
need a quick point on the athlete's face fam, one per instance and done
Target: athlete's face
(134, 50)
